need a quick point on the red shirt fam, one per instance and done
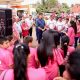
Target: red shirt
(25, 31)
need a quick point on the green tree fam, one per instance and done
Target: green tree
(52, 5)
(46, 5)
(65, 7)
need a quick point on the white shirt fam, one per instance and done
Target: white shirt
(18, 26)
(29, 22)
(60, 25)
(51, 23)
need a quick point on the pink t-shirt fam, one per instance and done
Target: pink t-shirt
(70, 49)
(37, 74)
(33, 74)
(57, 56)
(32, 57)
(10, 49)
(5, 59)
(71, 35)
(52, 68)
(51, 71)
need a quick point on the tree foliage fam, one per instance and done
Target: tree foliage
(52, 5)
(65, 7)
(46, 5)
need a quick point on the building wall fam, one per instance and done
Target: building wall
(75, 8)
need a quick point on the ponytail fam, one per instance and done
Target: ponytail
(20, 61)
(74, 26)
(65, 49)
(64, 44)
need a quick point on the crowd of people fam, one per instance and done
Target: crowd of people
(55, 58)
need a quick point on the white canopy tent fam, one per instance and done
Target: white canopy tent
(11, 2)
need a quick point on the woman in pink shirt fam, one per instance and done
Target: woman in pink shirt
(33, 52)
(78, 33)
(51, 57)
(21, 71)
(11, 44)
(65, 50)
(6, 61)
(72, 30)
(72, 71)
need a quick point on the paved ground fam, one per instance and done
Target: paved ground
(35, 43)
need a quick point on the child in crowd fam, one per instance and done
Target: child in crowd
(65, 50)
(28, 40)
(6, 61)
(11, 40)
(72, 71)
(21, 71)
(78, 33)
(72, 31)
(11, 43)
(51, 56)
(33, 57)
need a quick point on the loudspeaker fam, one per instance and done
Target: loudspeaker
(5, 22)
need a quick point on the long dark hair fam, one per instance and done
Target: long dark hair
(73, 66)
(64, 44)
(74, 26)
(21, 52)
(46, 46)
(41, 53)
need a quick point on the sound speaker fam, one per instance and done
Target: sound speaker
(5, 22)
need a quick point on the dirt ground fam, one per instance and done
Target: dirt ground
(35, 42)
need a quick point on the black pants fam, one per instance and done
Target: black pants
(30, 31)
(62, 34)
(76, 39)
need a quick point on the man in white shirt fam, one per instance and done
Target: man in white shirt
(60, 25)
(16, 28)
(66, 24)
(51, 23)
(29, 22)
